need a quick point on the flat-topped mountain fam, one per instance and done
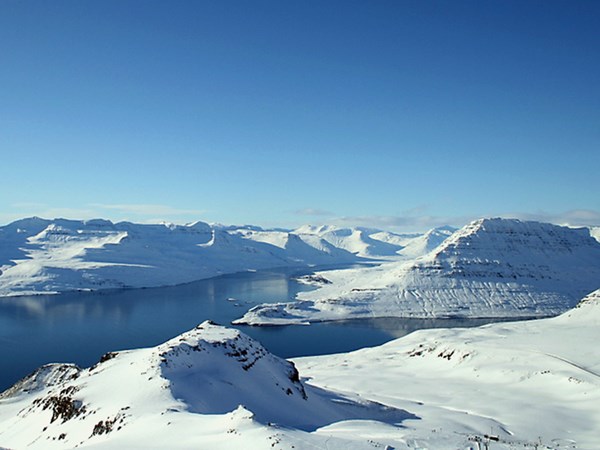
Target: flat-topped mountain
(489, 268)
(40, 256)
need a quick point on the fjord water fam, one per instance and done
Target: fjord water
(79, 327)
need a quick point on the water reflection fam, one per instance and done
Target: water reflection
(80, 327)
(115, 305)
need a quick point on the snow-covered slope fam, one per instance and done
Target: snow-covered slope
(47, 256)
(489, 268)
(354, 240)
(311, 247)
(532, 384)
(595, 232)
(211, 387)
(423, 244)
(373, 243)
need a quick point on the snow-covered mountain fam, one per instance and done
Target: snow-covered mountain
(489, 268)
(533, 384)
(211, 387)
(47, 256)
(354, 240)
(423, 244)
(377, 244)
(290, 244)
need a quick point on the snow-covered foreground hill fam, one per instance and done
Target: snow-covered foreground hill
(489, 268)
(529, 384)
(524, 382)
(39, 256)
(211, 387)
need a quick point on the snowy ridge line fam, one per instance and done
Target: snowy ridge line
(39, 256)
(489, 268)
(211, 387)
(373, 243)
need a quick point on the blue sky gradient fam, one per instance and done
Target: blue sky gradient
(391, 113)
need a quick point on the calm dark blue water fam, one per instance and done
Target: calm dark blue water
(80, 327)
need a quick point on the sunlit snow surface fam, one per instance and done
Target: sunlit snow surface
(524, 384)
(534, 381)
(39, 256)
(489, 268)
(595, 232)
(211, 387)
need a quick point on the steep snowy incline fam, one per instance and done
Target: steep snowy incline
(538, 381)
(489, 268)
(211, 387)
(47, 256)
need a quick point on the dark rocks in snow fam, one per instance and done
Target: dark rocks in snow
(62, 405)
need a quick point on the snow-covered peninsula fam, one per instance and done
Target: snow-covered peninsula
(489, 268)
(47, 256)
(524, 384)
(39, 256)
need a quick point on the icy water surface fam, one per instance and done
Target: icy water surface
(80, 327)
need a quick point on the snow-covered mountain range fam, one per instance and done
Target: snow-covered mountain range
(40, 256)
(529, 384)
(489, 268)
(377, 244)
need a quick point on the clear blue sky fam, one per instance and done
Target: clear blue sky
(397, 113)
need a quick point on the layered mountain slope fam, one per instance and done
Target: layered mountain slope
(211, 387)
(43, 256)
(538, 382)
(489, 268)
